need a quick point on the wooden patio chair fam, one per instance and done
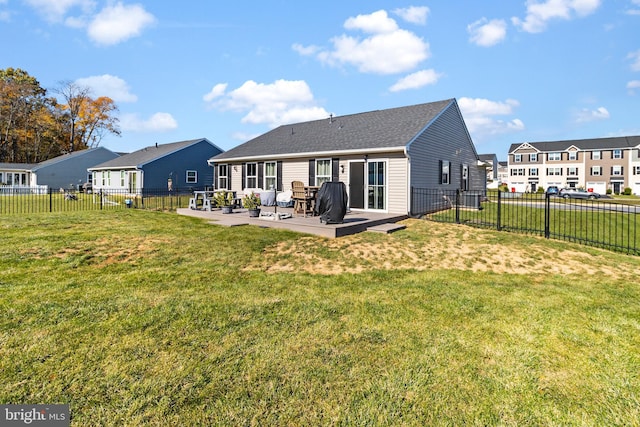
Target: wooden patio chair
(302, 201)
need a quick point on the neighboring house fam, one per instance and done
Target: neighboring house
(176, 166)
(503, 172)
(68, 171)
(597, 165)
(491, 165)
(379, 155)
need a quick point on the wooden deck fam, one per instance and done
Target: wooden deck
(354, 221)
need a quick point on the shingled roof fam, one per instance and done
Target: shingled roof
(145, 155)
(620, 142)
(393, 128)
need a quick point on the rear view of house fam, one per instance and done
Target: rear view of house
(380, 156)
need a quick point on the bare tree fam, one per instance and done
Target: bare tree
(75, 96)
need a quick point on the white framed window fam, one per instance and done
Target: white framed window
(596, 155)
(109, 178)
(517, 158)
(616, 154)
(533, 171)
(636, 170)
(554, 171)
(533, 157)
(270, 175)
(445, 172)
(251, 178)
(554, 156)
(323, 171)
(572, 171)
(376, 184)
(616, 170)
(596, 170)
(223, 176)
(192, 177)
(517, 172)
(122, 179)
(573, 155)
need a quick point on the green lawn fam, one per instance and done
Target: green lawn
(136, 317)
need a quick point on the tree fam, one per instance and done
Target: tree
(20, 94)
(87, 118)
(96, 116)
(74, 96)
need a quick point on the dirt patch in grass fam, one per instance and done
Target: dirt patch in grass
(440, 246)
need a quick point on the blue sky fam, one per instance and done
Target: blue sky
(527, 70)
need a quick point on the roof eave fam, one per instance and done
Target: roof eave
(331, 153)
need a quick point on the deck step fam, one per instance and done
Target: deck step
(387, 228)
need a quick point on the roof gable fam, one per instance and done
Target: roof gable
(393, 128)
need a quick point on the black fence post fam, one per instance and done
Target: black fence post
(50, 200)
(100, 196)
(458, 206)
(499, 213)
(547, 215)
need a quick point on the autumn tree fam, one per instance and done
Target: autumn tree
(20, 96)
(87, 119)
(35, 126)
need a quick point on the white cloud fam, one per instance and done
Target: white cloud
(108, 85)
(479, 117)
(635, 60)
(158, 122)
(633, 85)
(278, 103)
(217, 91)
(386, 50)
(538, 14)
(56, 10)
(118, 22)
(305, 50)
(487, 33)
(585, 115)
(416, 80)
(414, 14)
(375, 23)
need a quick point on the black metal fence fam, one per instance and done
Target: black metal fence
(603, 222)
(25, 202)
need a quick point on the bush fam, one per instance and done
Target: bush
(627, 191)
(540, 190)
(609, 191)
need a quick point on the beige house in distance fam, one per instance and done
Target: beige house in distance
(596, 165)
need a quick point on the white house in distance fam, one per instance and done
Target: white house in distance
(596, 165)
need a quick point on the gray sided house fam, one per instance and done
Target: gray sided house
(176, 166)
(68, 171)
(381, 156)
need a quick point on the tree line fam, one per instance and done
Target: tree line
(37, 124)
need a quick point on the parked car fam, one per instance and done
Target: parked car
(577, 193)
(553, 190)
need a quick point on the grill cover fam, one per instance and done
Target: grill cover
(331, 202)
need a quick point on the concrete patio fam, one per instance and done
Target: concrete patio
(354, 221)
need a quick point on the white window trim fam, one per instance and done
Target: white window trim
(195, 177)
(323, 176)
(274, 177)
(248, 177)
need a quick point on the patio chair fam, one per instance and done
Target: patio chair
(302, 201)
